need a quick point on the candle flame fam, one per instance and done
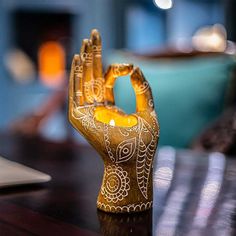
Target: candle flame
(112, 122)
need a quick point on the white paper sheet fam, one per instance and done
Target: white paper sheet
(12, 173)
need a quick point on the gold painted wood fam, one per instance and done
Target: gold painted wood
(126, 143)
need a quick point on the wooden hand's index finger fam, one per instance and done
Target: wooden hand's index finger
(114, 71)
(144, 99)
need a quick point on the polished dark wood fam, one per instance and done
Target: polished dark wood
(194, 193)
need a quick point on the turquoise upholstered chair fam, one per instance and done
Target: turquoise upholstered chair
(189, 93)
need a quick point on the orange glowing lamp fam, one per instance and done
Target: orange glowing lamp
(51, 57)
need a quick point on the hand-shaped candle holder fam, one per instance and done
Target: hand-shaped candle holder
(126, 143)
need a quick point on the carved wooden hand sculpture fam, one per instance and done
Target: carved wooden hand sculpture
(126, 143)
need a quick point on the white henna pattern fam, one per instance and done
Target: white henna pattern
(97, 50)
(125, 150)
(128, 208)
(87, 57)
(79, 71)
(145, 157)
(115, 184)
(78, 94)
(85, 115)
(153, 114)
(151, 103)
(94, 90)
(88, 91)
(98, 89)
(140, 89)
(124, 132)
(155, 123)
(107, 143)
(116, 71)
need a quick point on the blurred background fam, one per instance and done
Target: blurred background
(184, 47)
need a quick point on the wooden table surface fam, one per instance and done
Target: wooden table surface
(194, 194)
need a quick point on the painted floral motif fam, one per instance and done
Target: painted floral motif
(115, 185)
(85, 115)
(145, 155)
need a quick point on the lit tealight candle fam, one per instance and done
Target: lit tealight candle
(113, 117)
